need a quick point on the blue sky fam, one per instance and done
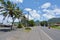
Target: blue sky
(39, 9)
(47, 9)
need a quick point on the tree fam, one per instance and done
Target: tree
(11, 10)
(31, 23)
(37, 23)
(44, 23)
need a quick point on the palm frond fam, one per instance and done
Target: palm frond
(1, 0)
(9, 4)
(4, 14)
(14, 6)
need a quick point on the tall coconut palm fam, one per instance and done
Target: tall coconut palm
(11, 10)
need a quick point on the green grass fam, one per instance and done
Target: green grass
(56, 27)
(27, 29)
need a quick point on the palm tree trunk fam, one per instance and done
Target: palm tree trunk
(12, 23)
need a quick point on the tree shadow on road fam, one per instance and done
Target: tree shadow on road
(5, 30)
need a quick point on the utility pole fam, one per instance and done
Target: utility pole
(27, 18)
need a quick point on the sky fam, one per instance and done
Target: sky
(39, 9)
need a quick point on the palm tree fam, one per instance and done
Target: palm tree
(11, 10)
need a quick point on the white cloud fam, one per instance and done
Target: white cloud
(48, 16)
(39, 11)
(33, 14)
(16, 1)
(57, 11)
(51, 13)
(45, 10)
(28, 9)
(46, 5)
(30, 18)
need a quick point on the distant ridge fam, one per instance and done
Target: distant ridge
(54, 20)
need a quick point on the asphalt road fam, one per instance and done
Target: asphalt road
(35, 34)
(53, 33)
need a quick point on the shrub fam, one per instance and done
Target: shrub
(27, 28)
(19, 25)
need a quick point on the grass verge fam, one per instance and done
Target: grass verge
(27, 29)
(56, 27)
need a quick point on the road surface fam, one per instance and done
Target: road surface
(53, 33)
(35, 34)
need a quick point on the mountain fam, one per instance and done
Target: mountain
(54, 20)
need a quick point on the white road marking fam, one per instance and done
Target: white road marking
(47, 35)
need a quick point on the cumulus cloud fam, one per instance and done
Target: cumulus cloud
(16, 1)
(46, 5)
(48, 16)
(57, 11)
(30, 18)
(28, 9)
(49, 13)
(33, 13)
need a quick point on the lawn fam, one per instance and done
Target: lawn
(56, 27)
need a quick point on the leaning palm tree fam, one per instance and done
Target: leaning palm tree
(10, 10)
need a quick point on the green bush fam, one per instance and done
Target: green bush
(27, 28)
(19, 25)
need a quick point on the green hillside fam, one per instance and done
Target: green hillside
(54, 20)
